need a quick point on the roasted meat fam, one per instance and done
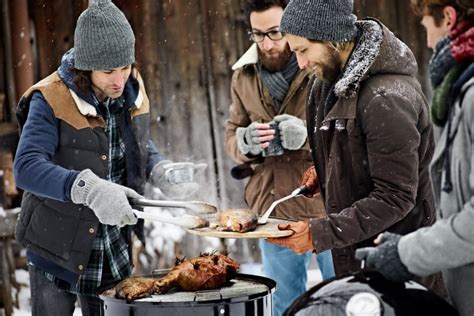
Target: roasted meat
(135, 288)
(237, 220)
(208, 271)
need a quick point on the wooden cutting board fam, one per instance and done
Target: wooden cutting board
(270, 229)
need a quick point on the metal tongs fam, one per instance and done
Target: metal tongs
(186, 220)
(299, 191)
(197, 207)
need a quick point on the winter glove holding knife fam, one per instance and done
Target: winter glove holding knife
(176, 180)
(310, 181)
(300, 242)
(108, 200)
(292, 131)
(254, 138)
(385, 258)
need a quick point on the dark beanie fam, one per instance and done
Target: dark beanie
(103, 38)
(321, 20)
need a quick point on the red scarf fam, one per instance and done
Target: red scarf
(462, 41)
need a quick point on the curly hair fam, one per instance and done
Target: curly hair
(82, 79)
(464, 8)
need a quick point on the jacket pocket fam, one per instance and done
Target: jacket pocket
(24, 218)
(53, 229)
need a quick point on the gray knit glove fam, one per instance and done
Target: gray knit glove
(247, 140)
(108, 200)
(292, 131)
(176, 180)
(386, 259)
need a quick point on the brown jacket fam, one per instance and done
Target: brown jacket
(274, 177)
(372, 147)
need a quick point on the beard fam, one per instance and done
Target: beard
(275, 63)
(330, 69)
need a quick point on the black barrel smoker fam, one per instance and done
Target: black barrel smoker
(243, 295)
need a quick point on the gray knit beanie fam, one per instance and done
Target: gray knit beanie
(103, 38)
(321, 20)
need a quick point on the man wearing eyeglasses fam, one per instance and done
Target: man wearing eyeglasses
(269, 94)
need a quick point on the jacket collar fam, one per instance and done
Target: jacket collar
(361, 59)
(356, 70)
(250, 57)
(89, 110)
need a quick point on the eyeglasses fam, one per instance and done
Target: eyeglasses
(274, 35)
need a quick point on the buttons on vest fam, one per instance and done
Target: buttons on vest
(91, 230)
(103, 157)
(80, 267)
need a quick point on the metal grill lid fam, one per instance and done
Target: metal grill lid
(235, 288)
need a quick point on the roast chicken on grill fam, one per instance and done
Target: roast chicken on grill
(208, 271)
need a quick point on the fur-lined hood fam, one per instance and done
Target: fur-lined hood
(378, 50)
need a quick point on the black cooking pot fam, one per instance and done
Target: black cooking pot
(369, 293)
(243, 295)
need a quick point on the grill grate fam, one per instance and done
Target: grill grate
(233, 289)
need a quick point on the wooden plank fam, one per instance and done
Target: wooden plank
(184, 130)
(222, 36)
(54, 29)
(9, 77)
(21, 48)
(5, 282)
(2, 105)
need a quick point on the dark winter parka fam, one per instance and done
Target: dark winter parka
(372, 143)
(49, 224)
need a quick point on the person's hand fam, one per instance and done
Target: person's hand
(310, 181)
(108, 200)
(292, 131)
(385, 258)
(176, 180)
(300, 242)
(254, 138)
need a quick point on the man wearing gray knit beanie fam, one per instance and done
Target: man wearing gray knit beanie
(269, 94)
(369, 130)
(84, 151)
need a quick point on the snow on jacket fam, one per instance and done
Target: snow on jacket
(448, 245)
(372, 147)
(276, 176)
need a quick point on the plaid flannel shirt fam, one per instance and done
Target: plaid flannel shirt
(108, 241)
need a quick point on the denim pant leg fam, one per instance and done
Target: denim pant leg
(289, 271)
(47, 298)
(325, 264)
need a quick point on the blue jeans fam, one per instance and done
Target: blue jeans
(325, 264)
(48, 299)
(289, 271)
